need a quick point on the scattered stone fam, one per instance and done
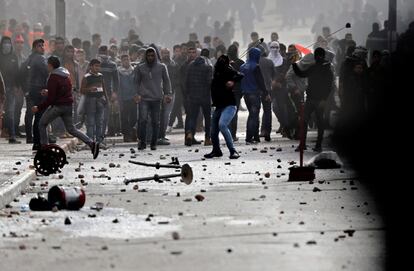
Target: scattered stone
(115, 220)
(349, 232)
(279, 149)
(263, 151)
(315, 189)
(187, 200)
(163, 222)
(279, 166)
(296, 245)
(229, 250)
(22, 247)
(178, 194)
(92, 215)
(175, 236)
(112, 165)
(103, 169)
(301, 223)
(132, 150)
(262, 197)
(302, 203)
(143, 190)
(67, 221)
(274, 234)
(254, 149)
(104, 247)
(312, 242)
(148, 219)
(196, 150)
(123, 190)
(199, 197)
(56, 247)
(78, 169)
(180, 214)
(60, 176)
(176, 252)
(227, 163)
(18, 163)
(203, 191)
(135, 187)
(80, 176)
(267, 175)
(32, 184)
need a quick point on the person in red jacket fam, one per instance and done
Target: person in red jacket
(59, 104)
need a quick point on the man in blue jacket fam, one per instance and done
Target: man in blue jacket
(253, 87)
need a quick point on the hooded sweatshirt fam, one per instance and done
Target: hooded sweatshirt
(59, 89)
(9, 65)
(152, 79)
(252, 82)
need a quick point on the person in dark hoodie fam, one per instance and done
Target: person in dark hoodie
(225, 104)
(59, 104)
(253, 87)
(36, 81)
(235, 63)
(9, 67)
(320, 84)
(154, 86)
(198, 93)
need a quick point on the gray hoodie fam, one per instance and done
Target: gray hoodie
(152, 80)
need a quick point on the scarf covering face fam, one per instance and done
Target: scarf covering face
(274, 54)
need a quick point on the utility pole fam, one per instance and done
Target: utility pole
(392, 24)
(60, 7)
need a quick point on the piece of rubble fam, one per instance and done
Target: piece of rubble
(112, 165)
(349, 232)
(176, 252)
(91, 215)
(67, 221)
(267, 175)
(135, 187)
(311, 242)
(103, 169)
(279, 149)
(199, 197)
(187, 200)
(175, 235)
(316, 189)
(104, 247)
(279, 166)
(22, 247)
(115, 220)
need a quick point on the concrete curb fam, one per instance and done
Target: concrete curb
(10, 192)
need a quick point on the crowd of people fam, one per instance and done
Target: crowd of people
(138, 88)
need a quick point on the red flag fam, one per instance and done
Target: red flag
(302, 49)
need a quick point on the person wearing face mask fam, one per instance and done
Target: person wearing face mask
(224, 101)
(9, 68)
(320, 84)
(279, 91)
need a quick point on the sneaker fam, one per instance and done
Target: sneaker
(250, 142)
(153, 147)
(52, 139)
(235, 139)
(169, 129)
(142, 146)
(188, 140)
(179, 126)
(213, 154)
(195, 142)
(96, 147)
(267, 138)
(163, 142)
(234, 155)
(14, 141)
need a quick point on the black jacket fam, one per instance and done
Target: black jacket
(320, 80)
(198, 80)
(9, 66)
(221, 95)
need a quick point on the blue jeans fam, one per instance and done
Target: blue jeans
(253, 106)
(149, 109)
(220, 122)
(10, 108)
(94, 108)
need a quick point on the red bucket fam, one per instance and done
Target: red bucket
(71, 198)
